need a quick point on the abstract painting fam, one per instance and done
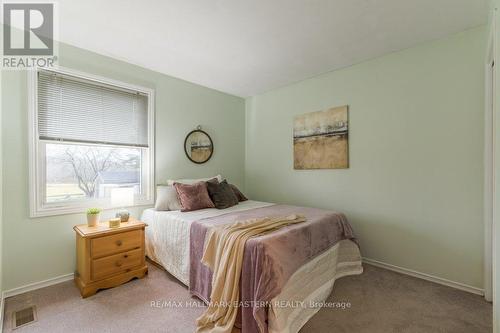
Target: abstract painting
(321, 139)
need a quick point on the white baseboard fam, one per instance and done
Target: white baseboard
(37, 285)
(424, 276)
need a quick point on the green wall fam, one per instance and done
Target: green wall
(414, 190)
(43, 248)
(494, 28)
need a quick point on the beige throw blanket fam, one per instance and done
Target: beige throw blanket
(223, 254)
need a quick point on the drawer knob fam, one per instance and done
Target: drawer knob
(125, 256)
(118, 264)
(119, 243)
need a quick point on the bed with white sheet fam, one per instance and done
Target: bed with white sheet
(168, 244)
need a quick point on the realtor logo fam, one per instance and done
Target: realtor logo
(28, 35)
(36, 24)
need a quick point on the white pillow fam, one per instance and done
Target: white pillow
(166, 198)
(171, 182)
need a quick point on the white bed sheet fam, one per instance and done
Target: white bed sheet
(167, 235)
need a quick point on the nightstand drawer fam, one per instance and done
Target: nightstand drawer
(112, 244)
(117, 263)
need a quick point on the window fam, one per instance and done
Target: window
(89, 136)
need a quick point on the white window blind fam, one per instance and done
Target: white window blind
(78, 110)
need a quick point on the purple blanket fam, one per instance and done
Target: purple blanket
(269, 260)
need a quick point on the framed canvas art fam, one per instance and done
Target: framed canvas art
(321, 139)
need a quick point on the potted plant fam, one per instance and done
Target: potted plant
(93, 215)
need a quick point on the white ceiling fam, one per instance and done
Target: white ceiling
(246, 47)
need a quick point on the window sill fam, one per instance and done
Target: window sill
(55, 211)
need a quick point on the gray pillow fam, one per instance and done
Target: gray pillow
(166, 198)
(237, 193)
(222, 194)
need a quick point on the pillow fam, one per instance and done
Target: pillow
(166, 198)
(237, 192)
(192, 181)
(193, 197)
(222, 194)
(213, 180)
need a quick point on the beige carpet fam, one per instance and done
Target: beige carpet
(381, 301)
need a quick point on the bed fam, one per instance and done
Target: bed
(169, 243)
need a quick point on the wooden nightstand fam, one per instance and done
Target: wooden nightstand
(108, 257)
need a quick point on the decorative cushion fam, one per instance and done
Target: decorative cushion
(213, 181)
(237, 192)
(193, 197)
(222, 194)
(166, 198)
(192, 181)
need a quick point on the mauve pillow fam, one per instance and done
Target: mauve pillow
(193, 197)
(222, 194)
(237, 192)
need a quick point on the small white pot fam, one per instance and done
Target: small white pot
(93, 219)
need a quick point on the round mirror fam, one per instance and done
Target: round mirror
(198, 146)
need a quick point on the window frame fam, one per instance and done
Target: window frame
(37, 178)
